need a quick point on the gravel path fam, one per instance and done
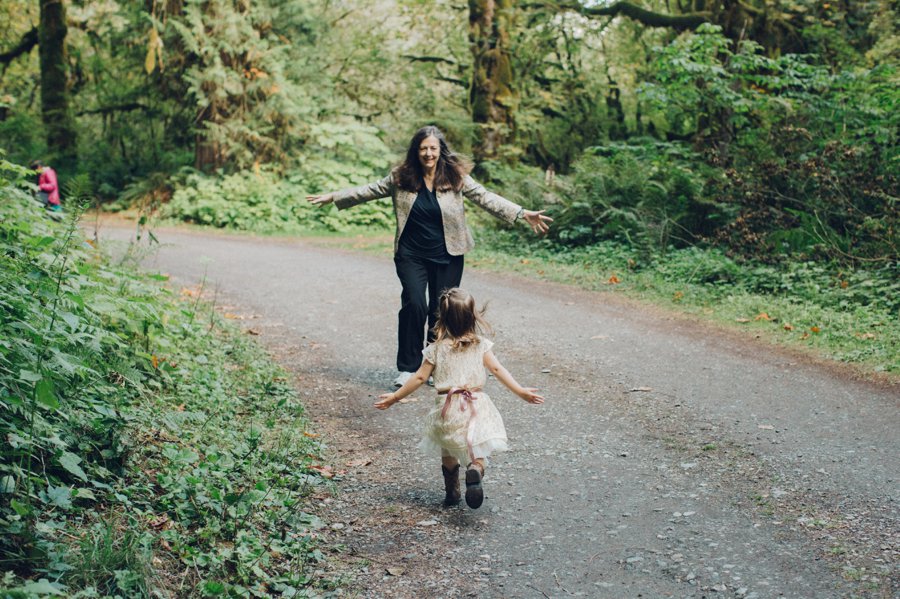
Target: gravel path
(671, 459)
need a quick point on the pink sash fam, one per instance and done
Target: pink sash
(467, 402)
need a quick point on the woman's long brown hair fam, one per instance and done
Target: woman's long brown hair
(458, 319)
(449, 173)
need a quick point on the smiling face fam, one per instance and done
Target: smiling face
(429, 153)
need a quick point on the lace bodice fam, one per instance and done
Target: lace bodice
(461, 367)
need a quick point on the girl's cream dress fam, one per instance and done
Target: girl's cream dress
(465, 425)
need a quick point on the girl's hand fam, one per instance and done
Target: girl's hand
(538, 222)
(385, 401)
(321, 199)
(530, 395)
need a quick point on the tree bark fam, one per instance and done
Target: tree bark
(61, 136)
(492, 97)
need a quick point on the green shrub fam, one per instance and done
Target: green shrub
(262, 202)
(647, 195)
(142, 433)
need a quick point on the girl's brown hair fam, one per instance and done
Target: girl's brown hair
(458, 319)
(449, 173)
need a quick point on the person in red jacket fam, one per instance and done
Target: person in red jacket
(49, 187)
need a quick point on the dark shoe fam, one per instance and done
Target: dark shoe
(451, 485)
(474, 492)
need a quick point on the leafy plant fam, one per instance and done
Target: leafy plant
(260, 201)
(143, 433)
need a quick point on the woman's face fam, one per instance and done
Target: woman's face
(429, 152)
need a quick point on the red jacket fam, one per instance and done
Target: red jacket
(48, 184)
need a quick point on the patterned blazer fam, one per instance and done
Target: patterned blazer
(457, 235)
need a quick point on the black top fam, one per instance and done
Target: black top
(423, 235)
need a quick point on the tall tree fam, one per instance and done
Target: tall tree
(57, 117)
(493, 96)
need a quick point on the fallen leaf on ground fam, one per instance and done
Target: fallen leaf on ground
(763, 316)
(613, 280)
(359, 462)
(636, 389)
(310, 435)
(815, 329)
(866, 335)
(231, 316)
(600, 337)
(252, 332)
(742, 320)
(394, 571)
(766, 427)
(324, 471)
(788, 326)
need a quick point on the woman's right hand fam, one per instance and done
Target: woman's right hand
(321, 199)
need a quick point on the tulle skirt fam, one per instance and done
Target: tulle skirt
(466, 429)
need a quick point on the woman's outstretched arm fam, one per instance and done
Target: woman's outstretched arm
(346, 198)
(504, 209)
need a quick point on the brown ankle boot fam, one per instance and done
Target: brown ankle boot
(451, 485)
(474, 491)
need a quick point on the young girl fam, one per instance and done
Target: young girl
(464, 424)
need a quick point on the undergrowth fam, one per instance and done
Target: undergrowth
(842, 313)
(152, 449)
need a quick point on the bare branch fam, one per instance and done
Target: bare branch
(435, 59)
(127, 107)
(28, 41)
(627, 9)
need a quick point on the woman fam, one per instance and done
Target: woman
(428, 189)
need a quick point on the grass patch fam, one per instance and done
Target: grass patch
(845, 315)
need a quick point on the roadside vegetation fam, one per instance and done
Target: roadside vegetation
(151, 448)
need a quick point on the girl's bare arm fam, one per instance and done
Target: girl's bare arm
(494, 366)
(418, 379)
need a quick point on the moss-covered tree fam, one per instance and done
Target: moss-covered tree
(55, 111)
(493, 95)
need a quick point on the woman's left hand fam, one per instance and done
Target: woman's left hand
(537, 220)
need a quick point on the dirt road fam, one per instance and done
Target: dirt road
(670, 459)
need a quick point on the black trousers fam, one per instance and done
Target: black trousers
(422, 281)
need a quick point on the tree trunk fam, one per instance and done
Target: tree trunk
(61, 137)
(492, 97)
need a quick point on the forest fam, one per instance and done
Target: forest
(765, 128)
(745, 146)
